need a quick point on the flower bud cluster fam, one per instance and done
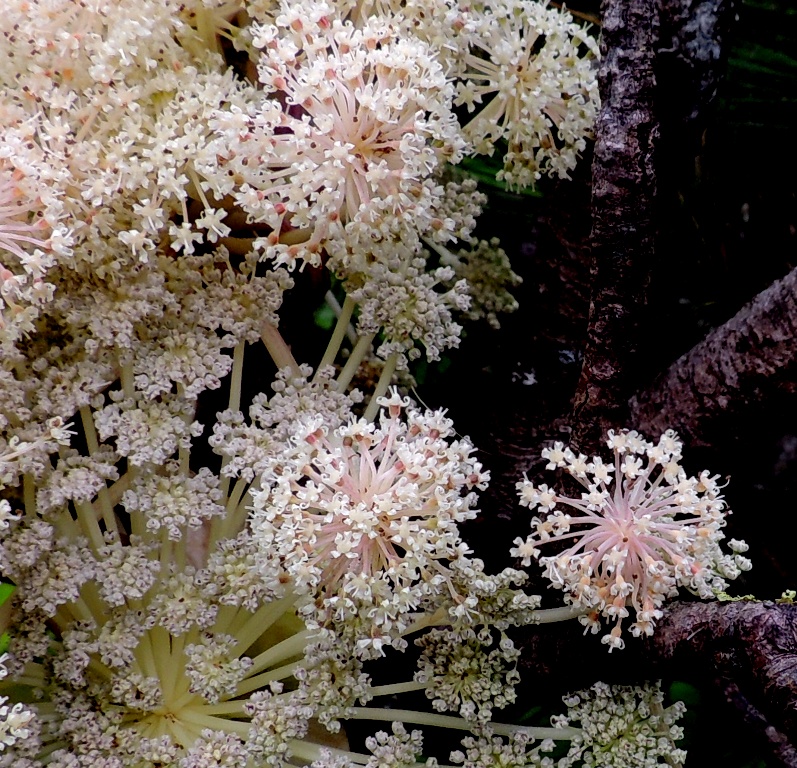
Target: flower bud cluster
(623, 726)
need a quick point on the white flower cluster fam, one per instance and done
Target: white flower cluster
(534, 68)
(366, 515)
(352, 159)
(153, 621)
(164, 165)
(655, 530)
(488, 275)
(623, 727)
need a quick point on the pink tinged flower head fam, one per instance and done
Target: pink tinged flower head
(364, 507)
(641, 529)
(19, 226)
(358, 121)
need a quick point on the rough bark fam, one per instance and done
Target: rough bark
(660, 70)
(730, 371)
(623, 194)
(752, 648)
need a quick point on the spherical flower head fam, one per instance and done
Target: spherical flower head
(358, 121)
(642, 528)
(368, 513)
(535, 69)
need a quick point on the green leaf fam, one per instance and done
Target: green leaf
(6, 590)
(324, 317)
(685, 692)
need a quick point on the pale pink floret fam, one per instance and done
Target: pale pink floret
(24, 237)
(19, 229)
(644, 529)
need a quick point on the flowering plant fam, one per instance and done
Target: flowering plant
(657, 530)
(199, 590)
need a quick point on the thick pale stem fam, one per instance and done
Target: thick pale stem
(457, 723)
(237, 376)
(88, 523)
(304, 750)
(215, 723)
(234, 403)
(359, 352)
(395, 688)
(29, 495)
(288, 648)
(341, 328)
(381, 387)
(259, 622)
(260, 681)
(280, 352)
(93, 444)
(552, 615)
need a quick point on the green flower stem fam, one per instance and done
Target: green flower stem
(275, 345)
(145, 657)
(225, 617)
(32, 670)
(339, 333)
(33, 682)
(194, 187)
(234, 403)
(234, 498)
(305, 750)
(193, 715)
(117, 489)
(446, 257)
(185, 697)
(46, 752)
(457, 723)
(128, 380)
(29, 495)
(237, 376)
(89, 525)
(235, 707)
(385, 378)
(90, 594)
(259, 622)
(361, 349)
(183, 733)
(183, 452)
(168, 658)
(438, 619)
(232, 522)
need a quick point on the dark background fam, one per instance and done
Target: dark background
(728, 228)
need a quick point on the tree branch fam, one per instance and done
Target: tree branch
(750, 649)
(730, 371)
(624, 187)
